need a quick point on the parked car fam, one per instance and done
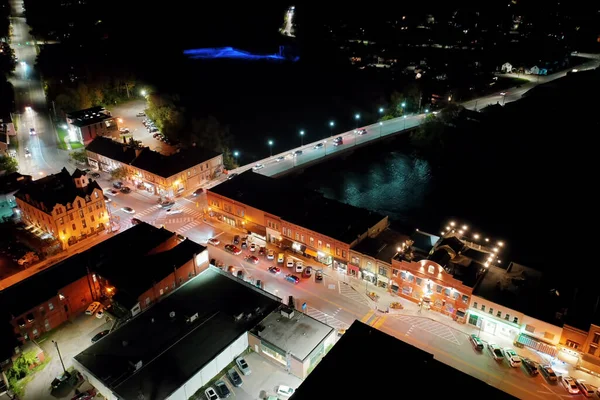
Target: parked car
(549, 373)
(214, 241)
(243, 366)
(140, 114)
(236, 239)
(476, 341)
(135, 221)
(100, 314)
(512, 357)
(569, 384)
(289, 263)
(117, 184)
(299, 266)
(197, 192)
(319, 275)
(231, 176)
(584, 387)
(234, 377)
(530, 366)
(496, 351)
(252, 247)
(128, 210)
(125, 189)
(285, 391)
(166, 204)
(211, 394)
(222, 389)
(292, 278)
(262, 251)
(233, 249)
(87, 395)
(29, 258)
(92, 308)
(307, 272)
(100, 335)
(270, 255)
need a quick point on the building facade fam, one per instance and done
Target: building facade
(428, 284)
(67, 207)
(85, 125)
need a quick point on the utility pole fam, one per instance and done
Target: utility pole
(60, 357)
(54, 109)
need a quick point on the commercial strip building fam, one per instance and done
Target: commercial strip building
(417, 370)
(180, 344)
(85, 125)
(66, 207)
(162, 175)
(291, 217)
(144, 263)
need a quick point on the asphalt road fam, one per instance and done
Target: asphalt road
(44, 156)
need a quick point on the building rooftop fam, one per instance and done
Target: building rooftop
(55, 189)
(112, 149)
(149, 160)
(12, 182)
(423, 242)
(154, 354)
(383, 246)
(299, 206)
(520, 288)
(167, 166)
(329, 380)
(299, 335)
(88, 116)
(133, 275)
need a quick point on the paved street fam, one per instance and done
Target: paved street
(32, 111)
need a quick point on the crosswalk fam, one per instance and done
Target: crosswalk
(434, 327)
(190, 225)
(326, 318)
(147, 211)
(348, 291)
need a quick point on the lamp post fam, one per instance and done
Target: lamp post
(403, 105)
(331, 125)
(381, 110)
(235, 156)
(270, 142)
(143, 93)
(380, 125)
(301, 138)
(404, 122)
(60, 356)
(356, 118)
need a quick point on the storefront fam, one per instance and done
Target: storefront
(353, 270)
(340, 265)
(368, 276)
(311, 253)
(382, 281)
(229, 221)
(272, 235)
(492, 325)
(324, 258)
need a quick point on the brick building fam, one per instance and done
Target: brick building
(85, 125)
(158, 174)
(66, 207)
(296, 218)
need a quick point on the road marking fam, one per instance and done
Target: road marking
(325, 318)
(367, 316)
(348, 291)
(380, 321)
(434, 327)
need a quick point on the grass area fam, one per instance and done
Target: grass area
(64, 134)
(18, 387)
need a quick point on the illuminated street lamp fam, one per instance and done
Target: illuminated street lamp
(236, 155)
(381, 110)
(270, 142)
(144, 93)
(301, 138)
(331, 125)
(357, 118)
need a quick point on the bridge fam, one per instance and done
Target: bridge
(312, 153)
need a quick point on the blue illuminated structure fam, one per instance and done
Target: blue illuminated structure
(231, 53)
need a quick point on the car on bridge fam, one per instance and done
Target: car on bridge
(318, 145)
(257, 167)
(297, 153)
(280, 158)
(338, 141)
(361, 132)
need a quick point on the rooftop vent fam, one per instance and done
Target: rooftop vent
(287, 312)
(136, 365)
(191, 319)
(238, 317)
(124, 343)
(172, 314)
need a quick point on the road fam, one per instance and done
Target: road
(281, 162)
(31, 107)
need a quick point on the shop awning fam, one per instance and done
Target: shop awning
(537, 344)
(382, 278)
(310, 252)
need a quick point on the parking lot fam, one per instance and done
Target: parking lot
(72, 338)
(264, 380)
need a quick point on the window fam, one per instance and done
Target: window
(320, 244)
(74, 227)
(35, 332)
(499, 314)
(465, 299)
(189, 274)
(71, 216)
(80, 213)
(355, 260)
(596, 338)
(506, 317)
(515, 320)
(592, 349)
(382, 271)
(395, 272)
(297, 236)
(344, 253)
(328, 246)
(337, 251)
(419, 281)
(61, 220)
(530, 328)
(92, 218)
(411, 278)
(50, 306)
(47, 325)
(447, 292)
(302, 238)
(96, 194)
(548, 335)
(161, 292)
(83, 224)
(572, 344)
(474, 304)
(483, 307)
(439, 288)
(90, 208)
(312, 242)
(78, 203)
(403, 275)
(431, 269)
(173, 285)
(147, 301)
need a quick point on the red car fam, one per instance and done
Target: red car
(252, 259)
(233, 249)
(274, 270)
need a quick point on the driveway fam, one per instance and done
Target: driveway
(72, 338)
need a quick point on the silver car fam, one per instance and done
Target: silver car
(243, 366)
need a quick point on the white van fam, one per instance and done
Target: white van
(289, 263)
(299, 266)
(280, 258)
(92, 308)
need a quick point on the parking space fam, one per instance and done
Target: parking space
(264, 380)
(72, 338)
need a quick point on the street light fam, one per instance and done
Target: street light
(60, 357)
(405, 122)
(380, 125)
(357, 118)
(331, 125)
(235, 156)
(271, 147)
(143, 92)
(301, 138)
(381, 110)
